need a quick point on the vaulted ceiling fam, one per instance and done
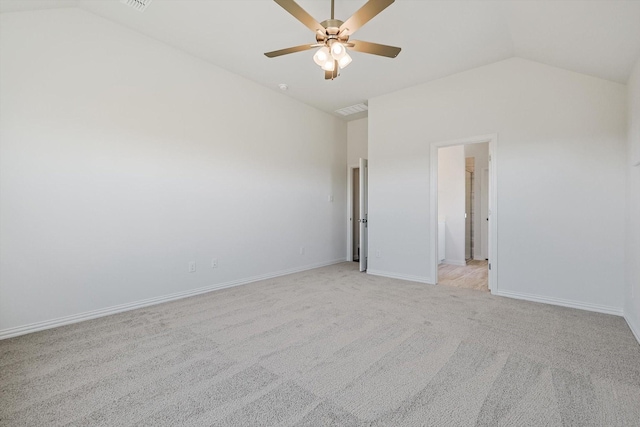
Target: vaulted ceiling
(438, 38)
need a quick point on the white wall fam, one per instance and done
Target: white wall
(632, 291)
(123, 159)
(357, 140)
(451, 201)
(480, 152)
(560, 172)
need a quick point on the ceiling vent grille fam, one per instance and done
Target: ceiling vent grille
(347, 111)
(139, 5)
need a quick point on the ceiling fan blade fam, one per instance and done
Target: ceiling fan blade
(301, 15)
(289, 50)
(375, 48)
(364, 15)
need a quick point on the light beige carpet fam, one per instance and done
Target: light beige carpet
(328, 347)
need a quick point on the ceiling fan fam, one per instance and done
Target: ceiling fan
(332, 36)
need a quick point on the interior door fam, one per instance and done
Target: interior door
(363, 220)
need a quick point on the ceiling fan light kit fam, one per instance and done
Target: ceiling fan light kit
(332, 36)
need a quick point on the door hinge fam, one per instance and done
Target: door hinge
(489, 157)
(489, 266)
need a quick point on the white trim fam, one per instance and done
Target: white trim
(427, 280)
(492, 139)
(617, 311)
(484, 254)
(350, 218)
(454, 262)
(635, 328)
(80, 317)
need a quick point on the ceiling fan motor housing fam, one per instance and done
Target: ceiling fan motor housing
(332, 31)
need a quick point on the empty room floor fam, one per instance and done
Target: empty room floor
(474, 275)
(329, 346)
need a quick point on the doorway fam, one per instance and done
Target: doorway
(355, 214)
(468, 208)
(463, 217)
(357, 242)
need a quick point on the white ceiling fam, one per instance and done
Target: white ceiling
(438, 38)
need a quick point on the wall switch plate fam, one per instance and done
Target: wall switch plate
(378, 253)
(330, 198)
(192, 267)
(301, 250)
(214, 263)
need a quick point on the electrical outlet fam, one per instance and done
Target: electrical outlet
(192, 267)
(214, 263)
(301, 250)
(378, 253)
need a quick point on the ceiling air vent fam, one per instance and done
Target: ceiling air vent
(347, 111)
(139, 5)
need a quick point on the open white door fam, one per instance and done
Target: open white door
(363, 215)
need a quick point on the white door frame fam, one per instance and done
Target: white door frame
(484, 183)
(350, 218)
(492, 139)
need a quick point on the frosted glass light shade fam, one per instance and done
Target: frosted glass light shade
(329, 65)
(344, 61)
(338, 51)
(322, 56)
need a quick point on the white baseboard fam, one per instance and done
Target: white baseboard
(88, 315)
(633, 325)
(617, 311)
(454, 262)
(427, 280)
